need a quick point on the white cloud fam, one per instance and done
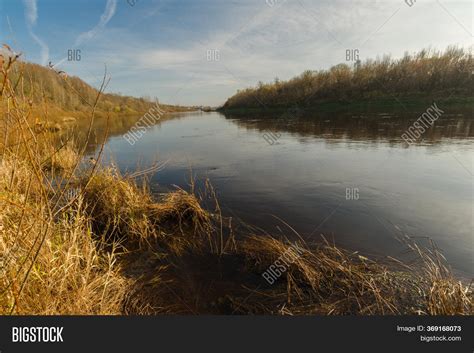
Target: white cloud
(31, 11)
(278, 41)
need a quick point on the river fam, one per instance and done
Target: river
(350, 178)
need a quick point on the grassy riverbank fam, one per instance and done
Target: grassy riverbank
(100, 244)
(56, 100)
(411, 82)
(80, 238)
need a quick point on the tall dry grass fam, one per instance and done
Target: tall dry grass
(67, 228)
(50, 262)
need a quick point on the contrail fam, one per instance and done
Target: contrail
(31, 15)
(108, 13)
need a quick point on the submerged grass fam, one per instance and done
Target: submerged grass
(84, 239)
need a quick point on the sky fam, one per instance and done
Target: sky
(201, 52)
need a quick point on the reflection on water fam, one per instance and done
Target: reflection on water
(423, 190)
(361, 127)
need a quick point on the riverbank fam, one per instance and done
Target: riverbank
(414, 104)
(57, 101)
(101, 244)
(384, 83)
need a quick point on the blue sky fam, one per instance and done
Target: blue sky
(159, 48)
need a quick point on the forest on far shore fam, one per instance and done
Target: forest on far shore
(425, 74)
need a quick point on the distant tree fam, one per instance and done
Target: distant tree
(424, 72)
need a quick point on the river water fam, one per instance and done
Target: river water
(348, 177)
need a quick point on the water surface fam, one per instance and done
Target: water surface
(312, 164)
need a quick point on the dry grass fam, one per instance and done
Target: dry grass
(63, 159)
(126, 213)
(50, 262)
(328, 280)
(323, 280)
(76, 240)
(118, 207)
(50, 265)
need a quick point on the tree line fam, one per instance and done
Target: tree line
(425, 73)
